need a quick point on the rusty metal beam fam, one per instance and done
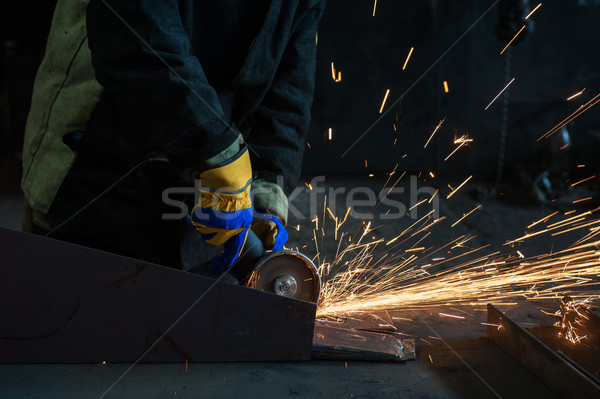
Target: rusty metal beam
(544, 363)
(62, 303)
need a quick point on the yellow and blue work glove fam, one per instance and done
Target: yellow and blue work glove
(269, 229)
(223, 213)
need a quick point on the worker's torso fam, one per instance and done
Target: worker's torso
(239, 44)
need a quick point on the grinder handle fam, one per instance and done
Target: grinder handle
(251, 253)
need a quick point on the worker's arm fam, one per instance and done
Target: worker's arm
(283, 118)
(141, 55)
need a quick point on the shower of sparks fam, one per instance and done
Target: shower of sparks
(368, 274)
(434, 131)
(572, 314)
(387, 93)
(575, 95)
(513, 39)
(407, 58)
(458, 188)
(363, 280)
(532, 11)
(501, 91)
(571, 117)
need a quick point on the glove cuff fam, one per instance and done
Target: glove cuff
(228, 153)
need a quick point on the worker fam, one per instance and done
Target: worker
(136, 97)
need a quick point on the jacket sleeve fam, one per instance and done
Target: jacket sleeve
(283, 118)
(141, 55)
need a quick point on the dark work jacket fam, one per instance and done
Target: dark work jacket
(184, 77)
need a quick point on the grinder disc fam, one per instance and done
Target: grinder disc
(288, 273)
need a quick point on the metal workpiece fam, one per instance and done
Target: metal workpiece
(560, 375)
(336, 343)
(64, 303)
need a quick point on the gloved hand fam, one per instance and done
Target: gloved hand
(223, 213)
(269, 229)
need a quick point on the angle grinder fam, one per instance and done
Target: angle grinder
(287, 273)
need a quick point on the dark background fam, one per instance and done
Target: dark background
(559, 58)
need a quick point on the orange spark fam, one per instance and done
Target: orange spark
(456, 149)
(433, 196)
(451, 315)
(446, 89)
(464, 216)
(584, 180)
(490, 324)
(511, 40)
(458, 188)
(407, 58)
(417, 204)
(571, 117)
(384, 100)
(542, 220)
(532, 11)
(582, 199)
(501, 91)
(575, 95)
